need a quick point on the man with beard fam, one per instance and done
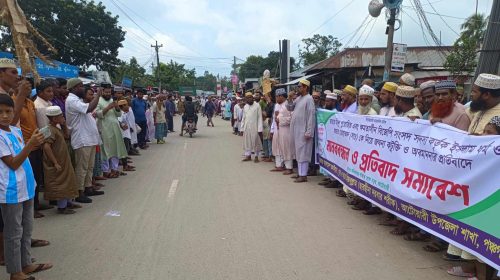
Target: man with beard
(84, 136)
(60, 94)
(388, 99)
(113, 146)
(445, 110)
(330, 100)
(427, 93)
(365, 99)
(405, 103)
(283, 151)
(349, 104)
(302, 127)
(485, 102)
(252, 128)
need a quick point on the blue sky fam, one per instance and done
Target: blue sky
(206, 34)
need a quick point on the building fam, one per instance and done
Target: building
(352, 65)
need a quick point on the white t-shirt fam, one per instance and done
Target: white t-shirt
(124, 119)
(82, 125)
(15, 185)
(41, 108)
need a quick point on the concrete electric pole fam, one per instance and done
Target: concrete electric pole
(157, 47)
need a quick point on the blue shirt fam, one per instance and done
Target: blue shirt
(139, 108)
(18, 185)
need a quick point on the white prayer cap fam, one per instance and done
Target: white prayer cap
(408, 79)
(327, 92)
(488, 81)
(366, 90)
(406, 92)
(332, 95)
(53, 111)
(7, 63)
(427, 85)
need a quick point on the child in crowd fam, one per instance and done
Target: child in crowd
(266, 143)
(17, 190)
(60, 179)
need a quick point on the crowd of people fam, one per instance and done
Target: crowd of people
(284, 129)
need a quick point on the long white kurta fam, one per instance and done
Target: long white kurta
(251, 126)
(282, 142)
(302, 124)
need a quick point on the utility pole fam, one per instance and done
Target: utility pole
(489, 57)
(234, 73)
(157, 47)
(390, 37)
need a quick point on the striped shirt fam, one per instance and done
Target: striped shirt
(18, 185)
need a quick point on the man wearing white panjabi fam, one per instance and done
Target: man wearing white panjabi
(252, 128)
(283, 151)
(302, 128)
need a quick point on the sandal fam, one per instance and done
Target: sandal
(451, 258)
(416, 236)
(362, 206)
(373, 211)
(38, 215)
(40, 267)
(36, 243)
(435, 247)
(341, 193)
(128, 168)
(288, 172)
(458, 271)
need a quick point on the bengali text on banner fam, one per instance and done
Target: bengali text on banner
(433, 176)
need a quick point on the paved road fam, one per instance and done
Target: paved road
(194, 211)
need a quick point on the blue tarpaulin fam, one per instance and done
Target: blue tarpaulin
(127, 82)
(58, 70)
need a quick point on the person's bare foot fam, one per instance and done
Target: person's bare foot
(35, 268)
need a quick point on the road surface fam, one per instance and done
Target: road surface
(193, 210)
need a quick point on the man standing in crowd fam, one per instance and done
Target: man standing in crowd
(330, 100)
(252, 128)
(302, 127)
(60, 94)
(113, 147)
(25, 116)
(365, 100)
(139, 107)
(170, 112)
(485, 102)
(405, 103)
(349, 104)
(407, 79)
(388, 99)
(444, 108)
(84, 137)
(44, 95)
(210, 110)
(280, 133)
(427, 93)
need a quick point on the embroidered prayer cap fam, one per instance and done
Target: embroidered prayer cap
(406, 92)
(53, 111)
(447, 84)
(408, 79)
(73, 82)
(366, 90)
(488, 81)
(305, 82)
(427, 85)
(7, 63)
(390, 86)
(495, 121)
(122, 102)
(331, 95)
(281, 92)
(248, 93)
(350, 89)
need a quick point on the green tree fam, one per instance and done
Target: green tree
(132, 70)
(318, 48)
(82, 32)
(207, 82)
(462, 60)
(174, 75)
(255, 65)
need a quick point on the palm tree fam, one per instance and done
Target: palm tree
(474, 28)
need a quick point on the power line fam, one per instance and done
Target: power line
(370, 32)
(363, 32)
(130, 18)
(431, 13)
(330, 18)
(357, 30)
(441, 17)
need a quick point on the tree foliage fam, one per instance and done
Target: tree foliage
(132, 70)
(82, 32)
(174, 75)
(463, 58)
(318, 48)
(255, 65)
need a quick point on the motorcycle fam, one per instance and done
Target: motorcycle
(190, 127)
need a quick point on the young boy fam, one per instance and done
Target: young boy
(17, 190)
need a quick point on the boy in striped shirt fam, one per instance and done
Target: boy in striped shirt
(17, 190)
